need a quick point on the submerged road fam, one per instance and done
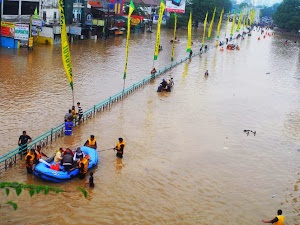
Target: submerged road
(187, 159)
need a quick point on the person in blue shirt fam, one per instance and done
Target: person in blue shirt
(68, 127)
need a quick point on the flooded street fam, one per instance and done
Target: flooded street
(187, 159)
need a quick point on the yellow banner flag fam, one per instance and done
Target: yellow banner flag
(239, 22)
(131, 9)
(173, 46)
(66, 57)
(232, 26)
(227, 22)
(205, 21)
(161, 12)
(211, 25)
(189, 44)
(220, 22)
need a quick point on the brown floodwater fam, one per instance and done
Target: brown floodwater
(187, 159)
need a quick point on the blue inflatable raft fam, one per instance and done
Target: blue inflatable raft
(43, 171)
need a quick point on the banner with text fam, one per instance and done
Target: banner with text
(22, 31)
(177, 6)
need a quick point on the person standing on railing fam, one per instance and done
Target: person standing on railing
(24, 139)
(68, 127)
(80, 111)
(91, 142)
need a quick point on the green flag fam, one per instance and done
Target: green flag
(35, 14)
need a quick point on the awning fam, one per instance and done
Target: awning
(95, 4)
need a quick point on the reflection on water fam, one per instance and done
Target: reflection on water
(187, 159)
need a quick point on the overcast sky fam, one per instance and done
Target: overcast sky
(262, 2)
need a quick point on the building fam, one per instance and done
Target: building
(19, 9)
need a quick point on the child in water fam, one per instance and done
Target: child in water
(91, 180)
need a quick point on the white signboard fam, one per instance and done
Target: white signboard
(38, 23)
(177, 6)
(21, 31)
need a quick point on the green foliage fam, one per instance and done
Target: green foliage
(140, 8)
(287, 15)
(200, 7)
(269, 11)
(18, 190)
(13, 204)
(243, 5)
(83, 191)
(31, 189)
(182, 20)
(31, 192)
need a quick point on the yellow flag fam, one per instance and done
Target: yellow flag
(161, 12)
(173, 46)
(227, 22)
(232, 26)
(205, 21)
(211, 25)
(131, 9)
(189, 44)
(66, 57)
(239, 22)
(220, 22)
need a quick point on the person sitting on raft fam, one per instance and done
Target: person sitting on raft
(153, 71)
(67, 161)
(29, 158)
(83, 166)
(77, 155)
(91, 142)
(58, 155)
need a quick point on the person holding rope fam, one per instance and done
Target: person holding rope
(278, 220)
(120, 148)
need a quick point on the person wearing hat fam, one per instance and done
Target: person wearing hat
(29, 159)
(91, 142)
(77, 155)
(120, 148)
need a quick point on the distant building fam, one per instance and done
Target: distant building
(19, 9)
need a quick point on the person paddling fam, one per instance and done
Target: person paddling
(278, 220)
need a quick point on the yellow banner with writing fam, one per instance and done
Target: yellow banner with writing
(66, 57)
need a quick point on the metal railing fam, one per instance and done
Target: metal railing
(50, 136)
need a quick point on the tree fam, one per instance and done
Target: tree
(243, 5)
(287, 15)
(32, 189)
(269, 11)
(200, 7)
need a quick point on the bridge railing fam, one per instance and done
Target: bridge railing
(9, 159)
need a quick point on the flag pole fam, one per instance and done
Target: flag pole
(73, 98)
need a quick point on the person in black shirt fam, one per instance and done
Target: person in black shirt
(24, 139)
